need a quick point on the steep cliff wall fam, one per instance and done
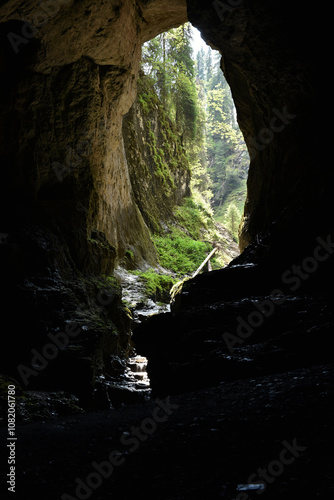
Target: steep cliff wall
(68, 162)
(158, 166)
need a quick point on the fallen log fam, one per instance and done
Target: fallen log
(211, 254)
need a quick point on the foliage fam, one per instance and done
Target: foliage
(197, 99)
(169, 61)
(179, 253)
(185, 246)
(227, 158)
(232, 220)
(192, 217)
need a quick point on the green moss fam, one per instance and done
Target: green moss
(192, 218)
(157, 286)
(171, 142)
(144, 104)
(129, 260)
(129, 255)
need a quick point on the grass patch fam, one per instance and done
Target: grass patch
(179, 253)
(184, 247)
(181, 249)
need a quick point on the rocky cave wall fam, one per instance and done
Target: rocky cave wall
(65, 91)
(68, 212)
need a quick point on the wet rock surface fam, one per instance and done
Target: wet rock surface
(222, 328)
(259, 415)
(133, 293)
(131, 385)
(69, 326)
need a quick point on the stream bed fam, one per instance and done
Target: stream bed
(135, 384)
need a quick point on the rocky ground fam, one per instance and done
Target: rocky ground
(273, 432)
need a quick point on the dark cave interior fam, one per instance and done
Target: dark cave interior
(245, 354)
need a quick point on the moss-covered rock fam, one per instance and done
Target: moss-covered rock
(157, 286)
(158, 164)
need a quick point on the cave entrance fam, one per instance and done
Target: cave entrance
(185, 74)
(182, 141)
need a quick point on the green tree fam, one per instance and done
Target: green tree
(209, 67)
(184, 92)
(200, 65)
(232, 220)
(168, 59)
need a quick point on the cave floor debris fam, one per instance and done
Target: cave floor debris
(275, 430)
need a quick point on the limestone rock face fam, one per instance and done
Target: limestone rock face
(109, 32)
(71, 76)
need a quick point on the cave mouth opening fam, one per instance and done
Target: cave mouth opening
(181, 74)
(186, 75)
(195, 158)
